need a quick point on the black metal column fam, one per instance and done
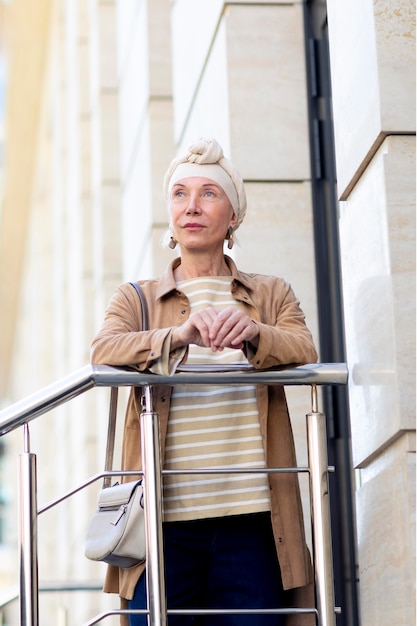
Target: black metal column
(330, 306)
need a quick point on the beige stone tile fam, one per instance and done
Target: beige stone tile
(111, 235)
(386, 536)
(133, 88)
(85, 159)
(209, 115)
(261, 109)
(400, 167)
(107, 50)
(276, 238)
(143, 205)
(136, 208)
(267, 91)
(372, 55)
(355, 88)
(84, 69)
(395, 23)
(109, 135)
(379, 298)
(193, 30)
(146, 27)
(83, 20)
(162, 151)
(130, 23)
(160, 58)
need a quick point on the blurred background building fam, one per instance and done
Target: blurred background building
(315, 103)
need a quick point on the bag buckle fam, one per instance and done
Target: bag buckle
(120, 513)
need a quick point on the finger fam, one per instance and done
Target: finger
(224, 322)
(233, 338)
(202, 321)
(244, 329)
(230, 332)
(250, 333)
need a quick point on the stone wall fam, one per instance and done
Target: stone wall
(372, 54)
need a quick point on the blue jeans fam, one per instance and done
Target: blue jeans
(219, 563)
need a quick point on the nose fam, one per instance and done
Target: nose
(193, 205)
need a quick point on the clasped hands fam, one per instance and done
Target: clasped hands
(217, 330)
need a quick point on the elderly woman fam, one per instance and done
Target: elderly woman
(231, 541)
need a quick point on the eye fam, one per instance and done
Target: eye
(211, 192)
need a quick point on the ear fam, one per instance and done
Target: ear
(233, 220)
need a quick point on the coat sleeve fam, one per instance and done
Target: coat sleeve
(121, 341)
(284, 338)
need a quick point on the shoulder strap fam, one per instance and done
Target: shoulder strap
(114, 393)
(143, 304)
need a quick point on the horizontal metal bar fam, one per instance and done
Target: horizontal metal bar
(315, 373)
(203, 470)
(12, 594)
(87, 482)
(180, 472)
(55, 586)
(98, 618)
(237, 470)
(287, 611)
(90, 376)
(46, 399)
(101, 616)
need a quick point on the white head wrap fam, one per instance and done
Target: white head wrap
(205, 158)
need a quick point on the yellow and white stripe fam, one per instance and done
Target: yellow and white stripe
(213, 426)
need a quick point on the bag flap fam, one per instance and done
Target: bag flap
(117, 494)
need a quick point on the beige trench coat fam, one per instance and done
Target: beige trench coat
(284, 339)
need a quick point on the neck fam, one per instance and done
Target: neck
(194, 267)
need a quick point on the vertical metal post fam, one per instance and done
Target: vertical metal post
(28, 536)
(111, 434)
(151, 465)
(320, 513)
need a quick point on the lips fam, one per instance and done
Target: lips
(193, 226)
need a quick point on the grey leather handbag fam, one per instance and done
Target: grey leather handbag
(116, 532)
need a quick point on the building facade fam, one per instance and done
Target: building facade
(100, 96)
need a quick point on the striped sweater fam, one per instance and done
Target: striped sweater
(213, 426)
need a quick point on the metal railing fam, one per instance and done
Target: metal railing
(21, 413)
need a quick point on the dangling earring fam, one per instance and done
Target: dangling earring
(172, 242)
(229, 238)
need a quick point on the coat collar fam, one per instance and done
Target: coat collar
(167, 281)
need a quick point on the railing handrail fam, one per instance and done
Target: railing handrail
(69, 387)
(89, 376)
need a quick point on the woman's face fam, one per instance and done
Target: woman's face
(201, 213)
